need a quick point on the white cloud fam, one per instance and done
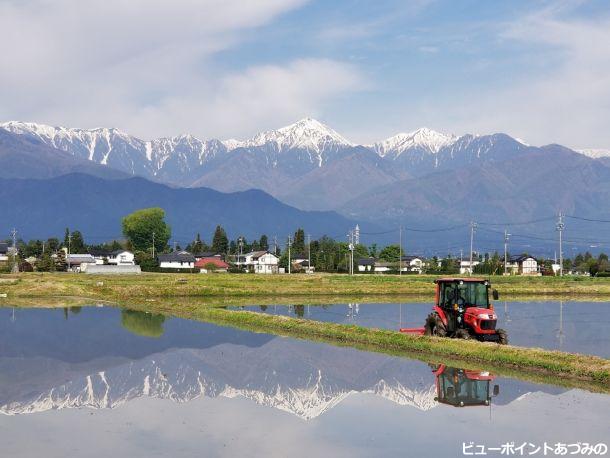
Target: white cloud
(147, 66)
(566, 102)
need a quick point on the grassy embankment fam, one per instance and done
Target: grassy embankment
(198, 297)
(259, 286)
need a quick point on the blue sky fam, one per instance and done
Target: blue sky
(539, 71)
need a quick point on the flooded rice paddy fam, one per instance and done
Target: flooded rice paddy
(109, 382)
(581, 327)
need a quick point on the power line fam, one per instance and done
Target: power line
(587, 219)
(521, 223)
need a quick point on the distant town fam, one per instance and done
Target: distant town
(145, 247)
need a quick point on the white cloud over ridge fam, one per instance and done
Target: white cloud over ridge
(147, 66)
(569, 101)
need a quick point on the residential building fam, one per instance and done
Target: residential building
(206, 254)
(466, 268)
(176, 260)
(121, 258)
(260, 262)
(77, 262)
(523, 265)
(4, 252)
(412, 264)
(211, 264)
(366, 264)
(100, 256)
(384, 266)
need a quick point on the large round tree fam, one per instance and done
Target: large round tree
(142, 226)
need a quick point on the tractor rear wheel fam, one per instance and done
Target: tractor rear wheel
(502, 337)
(462, 334)
(434, 326)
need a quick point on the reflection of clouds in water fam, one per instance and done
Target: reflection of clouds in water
(362, 425)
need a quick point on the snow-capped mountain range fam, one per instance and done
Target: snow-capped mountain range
(180, 159)
(306, 164)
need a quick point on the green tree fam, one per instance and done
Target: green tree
(66, 238)
(139, 227)
(52, 245)
(220, 241)
(390, 253)
(298, 243)
(77, 244)
(146, 262)
(449, 265)
(198, 245)
(60, 261)
(373, 250)
(46, 263)
(263, 243)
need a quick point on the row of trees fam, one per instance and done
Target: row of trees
(146, 232)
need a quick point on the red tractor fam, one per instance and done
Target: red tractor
(462, 309)
(463, 387)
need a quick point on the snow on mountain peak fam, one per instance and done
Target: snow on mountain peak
(423, 138)
(307, 134)
(594, 153)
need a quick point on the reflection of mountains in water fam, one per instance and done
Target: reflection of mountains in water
(302, 378)
(298, 377)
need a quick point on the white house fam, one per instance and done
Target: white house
(121, 258)
(260, 262)
(366, 264)
(4, 252)
(412, 264)
(466, 268)
(523, 265)
(383, 266)
(78, 262)
(176, 260)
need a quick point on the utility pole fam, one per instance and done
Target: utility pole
(241, 251)
(350, 238)
(560, 228)
(473, 226)
(69, 249)
(15, 268)
(308, 253)
(275, 245)
(400, 249)
(153, 245)
(506, 236)
(289, 262)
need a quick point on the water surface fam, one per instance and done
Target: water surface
(106, 382)
(581, 327)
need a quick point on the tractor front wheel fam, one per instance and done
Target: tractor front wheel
(502, 337)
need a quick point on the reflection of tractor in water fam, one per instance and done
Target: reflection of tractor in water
(462, 387)
(462, 309)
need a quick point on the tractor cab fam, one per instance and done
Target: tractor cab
(462, 387)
